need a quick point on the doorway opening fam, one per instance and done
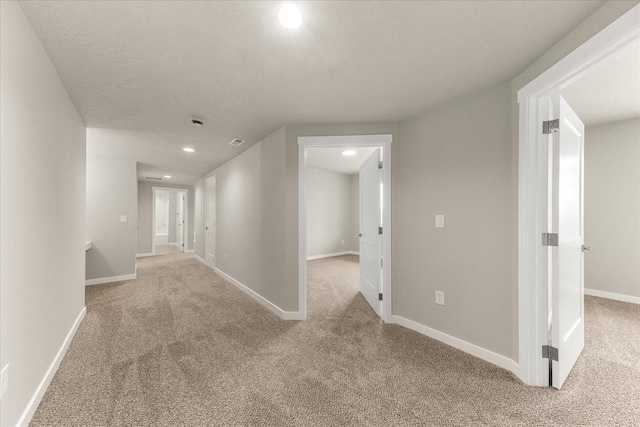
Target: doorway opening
(210, 222)
(551, 210)
(345, 224)
(169, 220)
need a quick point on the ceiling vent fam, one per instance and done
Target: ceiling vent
(236, 142)
(153, 178)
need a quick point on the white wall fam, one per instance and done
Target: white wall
(612, 208)
(42, 219)
(329, 212)
(454, 160)
(112, 191)
(173, 219)
(145, 212)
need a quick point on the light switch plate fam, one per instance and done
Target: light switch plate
(123, 218)
(439, 297)
(439, 221)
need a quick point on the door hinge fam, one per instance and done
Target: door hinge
(380, 297)
(379, 230)
(549, 352)
(549, 239)
(380, 164)
(550, 126)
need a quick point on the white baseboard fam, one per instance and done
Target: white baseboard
(112, 279)
(472, 349)
(201, 260)
(144, 255)
(309, 258)
(611, 295)
(25, 419)
(285, 315)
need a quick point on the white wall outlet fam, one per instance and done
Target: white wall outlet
(123, 218)
(343, 241)
(4, 380)
(439, 297)
(439, 221)
(226, 258)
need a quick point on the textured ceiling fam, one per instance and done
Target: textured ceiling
(332, 159)
(146, 66)
(611, 91)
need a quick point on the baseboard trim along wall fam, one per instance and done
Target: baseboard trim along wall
(309, 258)
(112, 279)
(25, 419)
(285, 315)
(144, 255)
(201, 260)
(611, 295)
(472, 349)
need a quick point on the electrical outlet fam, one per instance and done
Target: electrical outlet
(439, 221)
(439, 297)
(4, 380)
(226, 258)
(343, 241)
(123, 218)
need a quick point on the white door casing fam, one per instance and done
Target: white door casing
(210, 222)
(370, 238)
(567, 220)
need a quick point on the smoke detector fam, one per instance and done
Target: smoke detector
(236, 142)
(197, 121)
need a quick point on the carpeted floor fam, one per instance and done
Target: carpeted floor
(179, 346)
(167, 250)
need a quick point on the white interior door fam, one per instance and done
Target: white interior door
(210, 226)
(370, 238)
(567, 266)
(180, 221)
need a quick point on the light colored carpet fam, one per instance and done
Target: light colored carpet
(167, 250)
(179, 346)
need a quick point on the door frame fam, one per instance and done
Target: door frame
(533, 169)
(206, 208)
(153, 214)
(347, 141)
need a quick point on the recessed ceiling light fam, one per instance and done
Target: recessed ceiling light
(349, 153)
(290, 16)
(188, 149)
(197, 121)
(167, 176)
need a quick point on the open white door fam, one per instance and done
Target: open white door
(210, 226)
(567, 217)
(370, 237)
(180, 221)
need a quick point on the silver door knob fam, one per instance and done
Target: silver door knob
(586, 248)
(206, 228)
(359, 234)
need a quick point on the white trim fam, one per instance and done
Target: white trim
(112, 279)
(382, 140)
(25, 419)
(467, 347)
(532, 187)
(286, 315)
(144, 255)
(611, 295)
(312, 257)
(201, 260)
